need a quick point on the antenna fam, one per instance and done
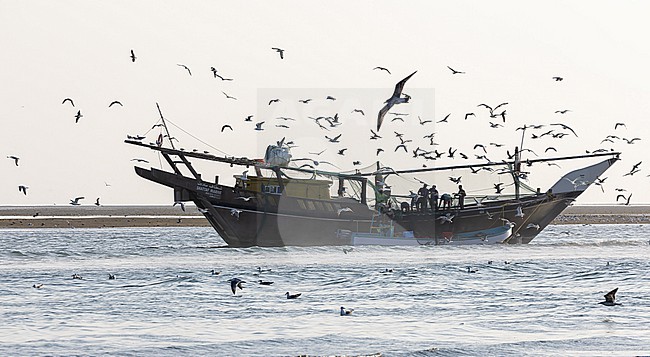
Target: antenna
(171, 142)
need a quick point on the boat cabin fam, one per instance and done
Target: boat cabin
(301, 188)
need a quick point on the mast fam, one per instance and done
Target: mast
(171, 142)
(517, 171)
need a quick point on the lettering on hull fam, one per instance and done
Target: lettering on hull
(209, 190)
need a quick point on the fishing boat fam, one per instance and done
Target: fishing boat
(287, 205)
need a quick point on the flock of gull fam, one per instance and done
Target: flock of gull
(427, 151)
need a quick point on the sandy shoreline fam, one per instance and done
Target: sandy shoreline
(168, 216)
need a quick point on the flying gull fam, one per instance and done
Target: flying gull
(78, 116)
(383, 69)
(133, 57)
(280, 51)
(396, 98)
(115, 102)
(235, 213)
(15, 158)
(182, 204)
(344, 209)
(68, 100)
(75, 201)
(445, 119)
(186, 67)
(610, 298)
(453, 71)
(235, 283)
(227, 96)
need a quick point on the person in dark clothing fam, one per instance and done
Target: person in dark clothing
(423, 193)
(433, 198)
(461, 197)
(445, 201)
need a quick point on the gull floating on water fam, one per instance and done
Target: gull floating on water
(292, 296)
(346, 312)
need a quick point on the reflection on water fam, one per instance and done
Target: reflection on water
(536, 299)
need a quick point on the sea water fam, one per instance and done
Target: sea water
(538, 299)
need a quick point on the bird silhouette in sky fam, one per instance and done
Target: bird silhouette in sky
(223, 78)
(78, 116)
(395, 99)
(627, 199)
(115, 102)
(453, 71)
(280, 51)
(133, 57)
(382, 69)
(23, 189)
(186, 67)
(227, 96)
(15, 158)
(68, 100)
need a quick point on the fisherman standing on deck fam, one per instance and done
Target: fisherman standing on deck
(423, 193)
(433, 198)
(461, 197)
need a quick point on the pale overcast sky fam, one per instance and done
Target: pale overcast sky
(509, 51)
